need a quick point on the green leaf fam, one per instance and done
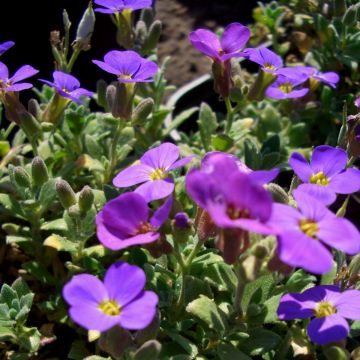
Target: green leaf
(22, 314)
(230, 352)
(58, 224)
(185, 343)
(196, 287)
(21, 288)
(271, 306)
(7, 295)
(96, 357)
(300, 281)
(178, 120)
(328, 278)
(336, 353)
(206, 310)
(26, 300)
(222, 142)
(30, 339)
(260, 342)
(148, 351)
(11, 205)
(92, 147)
(78, 350)
(252, 154)
(207, 125)
(257, 291)
(39, 271)
(221, 276)
(47, 194)
(7, 334)
(4, 311)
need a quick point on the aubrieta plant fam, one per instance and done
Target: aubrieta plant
(125, 236)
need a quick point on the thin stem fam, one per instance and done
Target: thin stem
(193, 253)
(72, 60)
(113, 153)
(34, 147)
(9, 129)
(230, 115)
(239, 289)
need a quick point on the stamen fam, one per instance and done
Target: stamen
(158, 174)
(324, 308)
(110, 307)
(320, 179)
(145, 228)
(269, 67)
(235, 213)
(309, 227)
(286, 88)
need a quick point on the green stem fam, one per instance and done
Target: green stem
(34, 146)
(239, 289)
(230, 115)
(72, 60)
(113, 153)
(9, 129)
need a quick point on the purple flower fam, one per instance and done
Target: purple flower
(330, 78)
(182, 221)
(67, 86)
(152, 171)
(329, 307)
(357, 102)
(128, 66)
(10, 84)
(326, 174)
(309, 230)
(269, 61)
(260, 176)
(286, 87)
(119, 300)
(115, 6)
(124, 221)
(6, 46)
(233, 39)
(239, 202)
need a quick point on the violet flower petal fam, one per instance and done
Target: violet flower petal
(66, 81)
(340, 234)
(348, 304)
(91, 318)
(328, 329)
(106, 67)
(6, 46)
(295, 306)
(310, 207)
(298, 250)
(328, 159)
(347, 182)
(124, 282)
(161, 157)
(140, 312)
(300, 166)
(4, 72)
(264, 176)
(132, 175)
(322, 193)
(263, 56)
(234, 37)
(162, 213)
(206, 42)
(155, 190)
(180, 163)
(24, 72)
(18, 87)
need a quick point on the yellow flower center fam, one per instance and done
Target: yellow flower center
(110, 307)
(286, 87)
(234, 213)
(320, 179)
(158, 174)
(145, 228)
(309, 227)
(125, 76)
(269, 67)
(324, 308)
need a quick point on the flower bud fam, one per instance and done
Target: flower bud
(85, 29)
(66, 20)
(153, 36)
(142, 111)
(349, 18)
(34, 108)
(47, 127)
(222, 78)
(101, 90)
(122, 106)
(22, 178)
(110, 95)
(278, 193)
(29, 124)
(181, 227)
(86, 199)
(140, 32)
(65, 193)
(74, 211)
(39, 171)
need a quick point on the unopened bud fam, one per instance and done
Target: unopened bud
(22, 178)
(181, 227)
(122, 106)
(74, 211)
(278, 193)
(85, 29)
(153, 36)
(11, 229)
(47, 127)
(140, 32)
(34, 108)
(29, 124)
(86, 199)
(147, 16)
(142, 111)
(110, 96)
(65, 193)
(101, 88)
(39, 171)
(260, 251)
(66, 20)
